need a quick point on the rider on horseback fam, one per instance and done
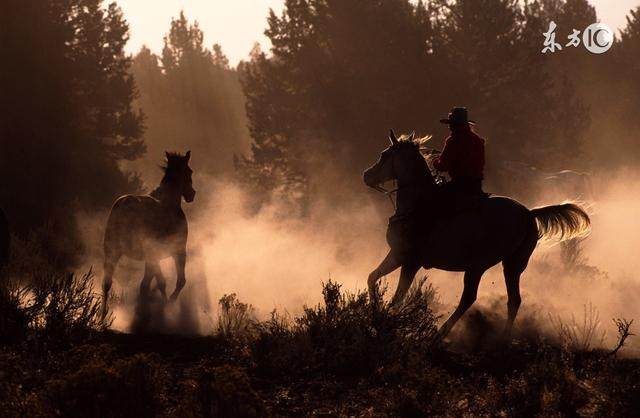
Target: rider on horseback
(462, 156)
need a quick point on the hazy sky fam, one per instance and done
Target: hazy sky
(237, 24)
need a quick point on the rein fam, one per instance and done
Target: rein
(388, 193)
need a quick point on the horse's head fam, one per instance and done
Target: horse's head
(401, 161)
(178, 175)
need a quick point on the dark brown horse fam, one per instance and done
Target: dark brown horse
(496, 229)
(151, 228)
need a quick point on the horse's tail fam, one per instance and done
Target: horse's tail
(565, 221)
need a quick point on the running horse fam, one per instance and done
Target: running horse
(493, 230)
(150, 228)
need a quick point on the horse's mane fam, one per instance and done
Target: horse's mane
(415, 140)
(171, 160)
(419, 145)
(172, 163)
(418, 142)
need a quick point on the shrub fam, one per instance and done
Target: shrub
(225, 391)
(583, 335)
(57, 307)
(128, 387)
(235, 318)
(348, 335)
(69, 306)
(14, 317)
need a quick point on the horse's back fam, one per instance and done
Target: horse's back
(139, 225)
(128, 211)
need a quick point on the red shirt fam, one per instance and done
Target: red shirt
(462, 156)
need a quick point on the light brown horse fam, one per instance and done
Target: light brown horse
(150, 228)
(493, 230)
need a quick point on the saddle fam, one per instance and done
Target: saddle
(457, 197)
(467, 203)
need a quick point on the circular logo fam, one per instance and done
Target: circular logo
(597, 38)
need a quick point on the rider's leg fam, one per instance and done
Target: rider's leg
(469, 295)
(407, 274)
(388, 265)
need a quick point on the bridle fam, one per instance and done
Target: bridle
(390, 193)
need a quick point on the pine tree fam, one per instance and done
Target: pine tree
(340, 74)
(67, 119)
(192, 99)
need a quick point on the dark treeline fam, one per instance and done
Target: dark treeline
(78, 113)
(67, 119)
(341, 72)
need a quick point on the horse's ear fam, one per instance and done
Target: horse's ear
(187, 156)
(392, 137)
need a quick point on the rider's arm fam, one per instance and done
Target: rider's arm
(445, 161)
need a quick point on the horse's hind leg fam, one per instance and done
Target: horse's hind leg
(512, 280)
(469, 295)
(513, 267)
(110, 261)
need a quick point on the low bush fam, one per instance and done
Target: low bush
(127, 387)
(225, 391)
(56, 307)
(235, 319)
(347, 335)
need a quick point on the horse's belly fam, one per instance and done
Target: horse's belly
(139, 228)
(151, 249)
(139, 245)
(472, 241)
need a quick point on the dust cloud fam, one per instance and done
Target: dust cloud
(275, 261)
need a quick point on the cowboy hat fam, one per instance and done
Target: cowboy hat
(458, 116)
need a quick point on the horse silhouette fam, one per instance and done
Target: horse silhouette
(150, 228)
(5, 239)
(495, 229)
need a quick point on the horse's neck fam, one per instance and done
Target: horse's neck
(413, 193)
(168, 196)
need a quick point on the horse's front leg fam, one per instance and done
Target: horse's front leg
(388, 265)
(161, 283)
(180, 260)
(407, 274)
(110, 262)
